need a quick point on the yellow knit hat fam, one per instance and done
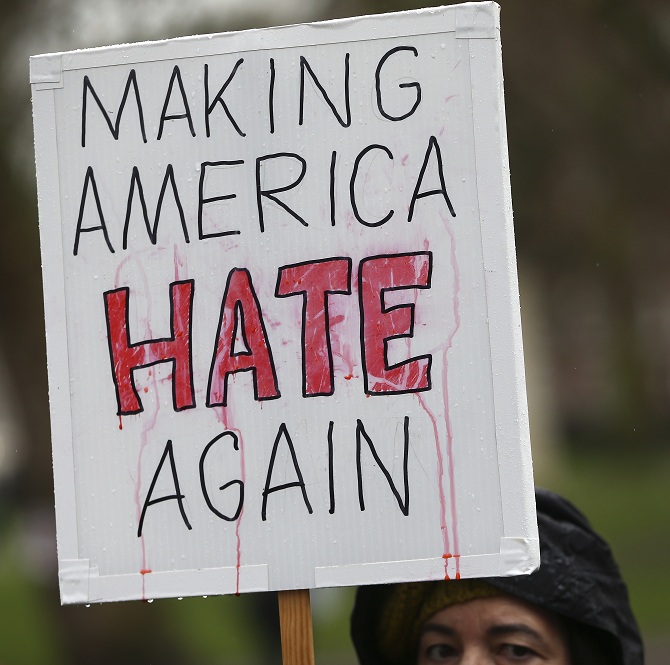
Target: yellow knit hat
(411, 604)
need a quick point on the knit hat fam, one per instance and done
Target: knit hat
(411, 604)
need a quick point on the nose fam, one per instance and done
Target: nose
(476, 656)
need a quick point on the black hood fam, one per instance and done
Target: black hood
(578, 579)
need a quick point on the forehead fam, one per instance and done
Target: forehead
(486, 613)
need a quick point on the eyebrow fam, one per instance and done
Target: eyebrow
(507, 628)
(494, 631)
(503, 630)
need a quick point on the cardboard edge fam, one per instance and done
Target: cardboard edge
(477, 19)
(502, 293)
(53, 284)
(517, 556)
(383, 572)
(81, 583)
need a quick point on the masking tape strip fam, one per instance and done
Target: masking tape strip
(519, 556)
(80, 582)
(46, 71)
(74, 577)
(477, 20)
(385, 572)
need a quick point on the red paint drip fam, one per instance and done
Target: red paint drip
(456, 558)
(445, 392)
(450, 462)
(446, 558)
(221, 417)
(178, 263)
(444, 530)
(440, 484)
(449, 428)
(148, 426)
(238, 560)
(120, 423)
(143, 572)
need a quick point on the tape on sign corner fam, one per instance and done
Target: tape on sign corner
(519, 556)
(78, 582)
(477, 20)
(46, 71)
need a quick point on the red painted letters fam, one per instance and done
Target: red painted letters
(242, 345)
(378, 275)
(241, 317)
(315, 280)
(126, 356)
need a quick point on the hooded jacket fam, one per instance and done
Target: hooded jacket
(578, 580)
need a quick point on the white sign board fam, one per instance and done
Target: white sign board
(282, 312)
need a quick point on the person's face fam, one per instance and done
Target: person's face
(492, 631)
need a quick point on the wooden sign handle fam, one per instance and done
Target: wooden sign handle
(295, 620)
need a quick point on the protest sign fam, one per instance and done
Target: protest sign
(282, 314)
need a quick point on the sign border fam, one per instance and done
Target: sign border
(478, 25)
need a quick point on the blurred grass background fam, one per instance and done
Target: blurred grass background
(627, 501)
(587, 88)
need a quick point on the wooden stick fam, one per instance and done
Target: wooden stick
(295, 620)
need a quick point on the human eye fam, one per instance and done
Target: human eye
(518, 653)
(438, 653)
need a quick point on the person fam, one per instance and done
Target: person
(573, 610)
